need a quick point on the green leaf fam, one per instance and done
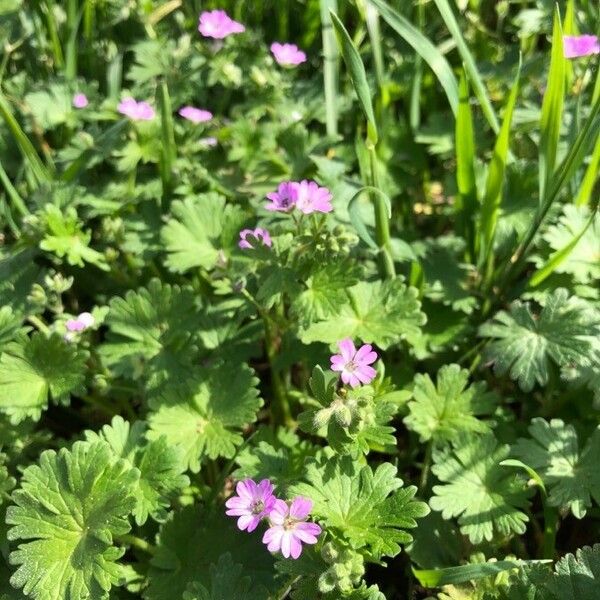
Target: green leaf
(552, 108)
(36, 370)
(357, 75)
(159, 464)
(431, 55)
(486, 497)
(191, 541)
(469, 63)
(577, 576)
(369, 510)
(10, 326)
(201, 228)
(443, 411)
(525, 345)
(204, 416)
(571, 476)
(226, 582)
(71, 505)
(382, 313)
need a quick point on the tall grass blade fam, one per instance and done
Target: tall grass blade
(16, 200)
(358, 75)
(415, 88)
(490, 207)
(372, 20)
(330, 66)
(466, 202)
(73, 17)
(38, 169)
(169, 151)
(558, 257)
(431, 55)
(552, 108)
(469, 63)
(590, 178)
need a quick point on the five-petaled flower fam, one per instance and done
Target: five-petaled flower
(253, 503)
(218, 24)
(289, 528)
(310, 197)
(284, 198)
(354, 364)
(138, 111)
(81, 322)
(287, 54)
(575, 46)
(195, 115)
(80, 100)
(259, 233)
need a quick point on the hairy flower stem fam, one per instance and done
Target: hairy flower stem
(382, 226)
(133, 541)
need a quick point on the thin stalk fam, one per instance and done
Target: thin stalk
(372, 19)
(136, 542)
(48, 13)
(550, 527)
(71, 46)
(16, 200)
(382, 226)
(330, 66)
(426, 467)
(37, 322)
(169, 152)
(88, 19)
(415, 90)
(281, 408)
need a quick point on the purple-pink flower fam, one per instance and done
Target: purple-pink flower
(259, 233)
(253, 503)
(138, 111)
(195, 115)
(312, 198)
(80, 100)
(289, 529)
(284, 198)
(354, 364)
(218, 24)
(81, 322)
(575, 46)
(287, 54)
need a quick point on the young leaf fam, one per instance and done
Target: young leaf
(486, 497)
(199, 230)
(159, 465)
(525, 346)
(204, 417)
(442, 412)
(71, 505)
(382, 313)
(370, 510)
(570, 475)
(37, 369)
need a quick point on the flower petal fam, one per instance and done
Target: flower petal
(300, 508)
(347, 349)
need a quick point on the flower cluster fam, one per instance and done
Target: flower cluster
(306, 196)
(353, 364)
(288, 525)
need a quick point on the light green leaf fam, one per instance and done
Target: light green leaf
(204, 417)
(487, 498)
(443, 411)
(571, 476)
(370, 510)
(382, 313)
(71, 505)
(36, 370)
(525, 345)
(200, 229)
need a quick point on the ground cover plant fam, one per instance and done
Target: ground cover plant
(299, 299)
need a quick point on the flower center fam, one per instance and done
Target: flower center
(351, 366)
(289, 523)
(258, 507)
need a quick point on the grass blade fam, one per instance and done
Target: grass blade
(358, 75)
(466, 201)
(12, 193)
(490, 207)
(415, 88)
(330, 66)
(469, 62)
(552, 107)
(431, 55)
(590, 178)
(40, 172)
(169, 151)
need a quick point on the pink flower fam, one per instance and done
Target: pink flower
(253, 503)
(195, 115)
(284, 198)
(289, 529)
(80, 101)
(353, 363)
(81, 322)
(208, 142)
(575, 46)
(287, 54)
(218, 24)
(138, 111)
(312, 198)
(259, 233)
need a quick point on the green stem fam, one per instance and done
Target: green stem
(12, 193)
(426, 467)
(37, 322)
(382, 229)
(330, 66)
(550, 526)
(134, 541)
